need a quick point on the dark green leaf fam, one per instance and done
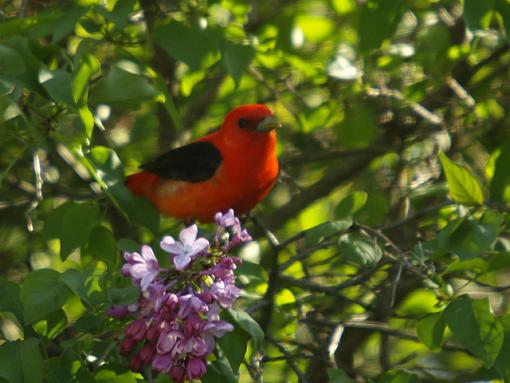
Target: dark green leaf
(252, 271)
(120, 86)
(351, 204)
(378, 21)
(236, 58)
(76, 281)
(500, 183)
(21, 361)
(42, 294)
(124, 295)
(338, 376)
(57, 84)
(462, 184)
(66, 24)
(472, 324)
(501, 364)
(324, 230)
(7, 85)
(101, 245)
(10, 299)
(431, 329)
(503, 7)
(219, 371)
(121, 11)
(52, 325)
(87, 66)
(234, 344)
(395, 376)
(363, 119)
(478, 14)
(186, 44)
(248, 324)
(11, 63)
(360, 250)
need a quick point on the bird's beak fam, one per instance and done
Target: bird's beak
(267, 124)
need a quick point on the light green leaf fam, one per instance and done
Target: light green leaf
(108, 376)
(351, 204)
(472, 324)
(8, 109)
(462, 184)
(430, 330)
(500, 183)
(42, 294)
(398, 376)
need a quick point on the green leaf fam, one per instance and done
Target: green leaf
(236, 58)
(123, 295)
(501, 364)
(478, 14)
(101, 245)
(10, 299)
(7, 85)
(500, 183)
(189, 45)
(65, 25)
(11, 62)
(57, 84)
(76, 281)
(472, 324)
(248, 324)
(363, 118)
(324, 230)
(86, 66)
(21, 361)
(430, 330)
(121, 86)
(219, 371)
(120, 13)
(378, 21)
(234, 345)
(29, 77)
(360, 249)
(71, 223)
(396, 376)
(351, 204)
(503, 7)
(338, 376)
(8, 109)
(42, 294)
(462, 184)
(108, 376)
(252, 271)
(53, 325)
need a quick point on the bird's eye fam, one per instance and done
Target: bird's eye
(242, 123)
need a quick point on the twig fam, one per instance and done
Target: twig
(290, 360)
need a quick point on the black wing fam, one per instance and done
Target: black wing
(195, 162)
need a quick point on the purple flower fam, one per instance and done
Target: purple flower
(162, 362)
(167, 341)
(196, 368)
(177, 373)
(136, 330)
(226, 293)
(218, 328)
(188, 247)
(226, 220)
(143, 268)
(117, 311)
(189, 303)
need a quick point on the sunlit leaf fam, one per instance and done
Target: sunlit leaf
(462, 184)
(351, 204)
(430, 330)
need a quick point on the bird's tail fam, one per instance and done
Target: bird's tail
(142, 183)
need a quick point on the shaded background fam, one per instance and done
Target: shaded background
(362, 256)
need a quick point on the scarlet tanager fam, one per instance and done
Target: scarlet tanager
(234, 167)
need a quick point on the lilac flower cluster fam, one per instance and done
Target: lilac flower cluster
(177, 315)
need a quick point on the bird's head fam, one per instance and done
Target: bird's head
(252, 120)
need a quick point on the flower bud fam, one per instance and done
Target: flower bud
(147, 352)
(196, 368)
(136, 329)
(177, 373)
(136, 363)
(127, 345)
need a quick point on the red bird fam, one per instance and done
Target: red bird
(234, 167)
